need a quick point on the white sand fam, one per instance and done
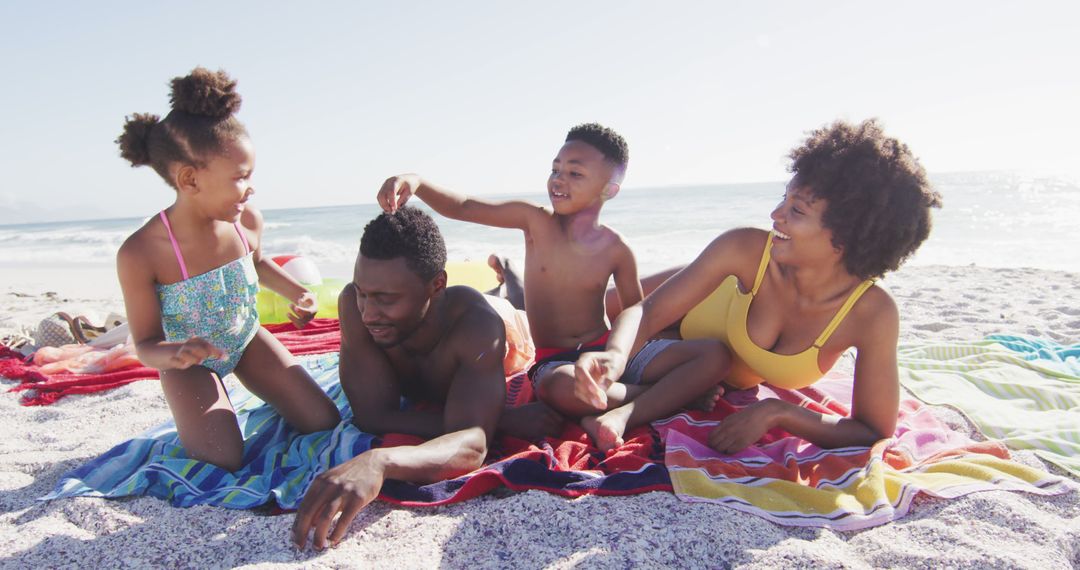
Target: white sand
(532, 529)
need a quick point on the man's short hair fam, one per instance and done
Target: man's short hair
(408, 233)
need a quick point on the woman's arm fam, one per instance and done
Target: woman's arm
(875, 394)
(728, 254)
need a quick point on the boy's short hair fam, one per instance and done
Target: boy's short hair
(408, 233)
(608, 142)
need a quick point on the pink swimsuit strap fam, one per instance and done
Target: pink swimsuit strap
(176, 246)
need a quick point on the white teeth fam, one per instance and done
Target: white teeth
(781, 234)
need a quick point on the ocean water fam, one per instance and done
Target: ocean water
(989, 219)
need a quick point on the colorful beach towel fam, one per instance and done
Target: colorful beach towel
(280, 464)
(1021, 390)
(43, 388)
(792, 482)
(568, 465)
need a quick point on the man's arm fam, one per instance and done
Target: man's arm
(473, 406)
(511, 214)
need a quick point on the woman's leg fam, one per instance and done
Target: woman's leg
(205, 420)
(271, 373)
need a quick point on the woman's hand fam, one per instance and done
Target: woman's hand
(594, 372)
(303, 309)
(745, 427)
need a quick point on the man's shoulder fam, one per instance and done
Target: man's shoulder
(474, 322)
(469, 307)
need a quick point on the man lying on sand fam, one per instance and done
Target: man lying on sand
(405, 336)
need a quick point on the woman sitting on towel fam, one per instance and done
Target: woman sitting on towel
(788, 303)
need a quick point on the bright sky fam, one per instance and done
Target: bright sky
(478, 96)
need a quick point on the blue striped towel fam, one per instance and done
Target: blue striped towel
(279, 463)
(1021, 390)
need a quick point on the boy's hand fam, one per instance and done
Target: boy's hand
(193, 351)
(595, 372)
(396, 191)
(303, 309)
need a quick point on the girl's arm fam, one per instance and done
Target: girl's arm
(137, 282)
(303, 303)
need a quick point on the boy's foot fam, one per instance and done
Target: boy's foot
(510, 282)
(606, 430)
(496, 265)
(707, 401)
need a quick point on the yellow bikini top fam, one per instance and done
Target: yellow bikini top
(722, 315)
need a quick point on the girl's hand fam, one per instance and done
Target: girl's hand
(303, 309)
(194, 351)
(743, 428)
(396, 191)
(595, 372)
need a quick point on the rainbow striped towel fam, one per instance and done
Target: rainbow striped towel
(279, 463)
(792, 482)
(1021, 390)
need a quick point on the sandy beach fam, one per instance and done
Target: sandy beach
(531, 529)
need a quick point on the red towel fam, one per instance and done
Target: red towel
(319, 336)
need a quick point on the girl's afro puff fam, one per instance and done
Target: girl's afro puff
(134, 142)
(206, 93)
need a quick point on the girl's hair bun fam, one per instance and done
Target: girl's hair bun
(135, 140)
(206, 93)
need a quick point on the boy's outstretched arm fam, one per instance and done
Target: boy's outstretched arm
(395, 192)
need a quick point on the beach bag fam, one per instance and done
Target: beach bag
(54, 330)
(61, 328)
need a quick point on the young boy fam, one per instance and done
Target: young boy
(569, 259)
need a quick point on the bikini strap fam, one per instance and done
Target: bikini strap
(839, 317)
(765, 256)
(243, 236)
(175, 246)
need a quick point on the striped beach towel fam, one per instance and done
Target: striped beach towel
(1020, 390)
(792, 482)
(279, 463)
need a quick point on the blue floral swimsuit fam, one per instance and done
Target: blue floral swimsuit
(218, 306)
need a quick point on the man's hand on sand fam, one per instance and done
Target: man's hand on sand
(396, 191)
(345, 489)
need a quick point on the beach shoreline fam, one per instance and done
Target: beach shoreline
(530, 529)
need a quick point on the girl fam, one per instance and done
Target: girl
(190, 275)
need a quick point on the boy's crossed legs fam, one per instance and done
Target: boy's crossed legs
(662, 377)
